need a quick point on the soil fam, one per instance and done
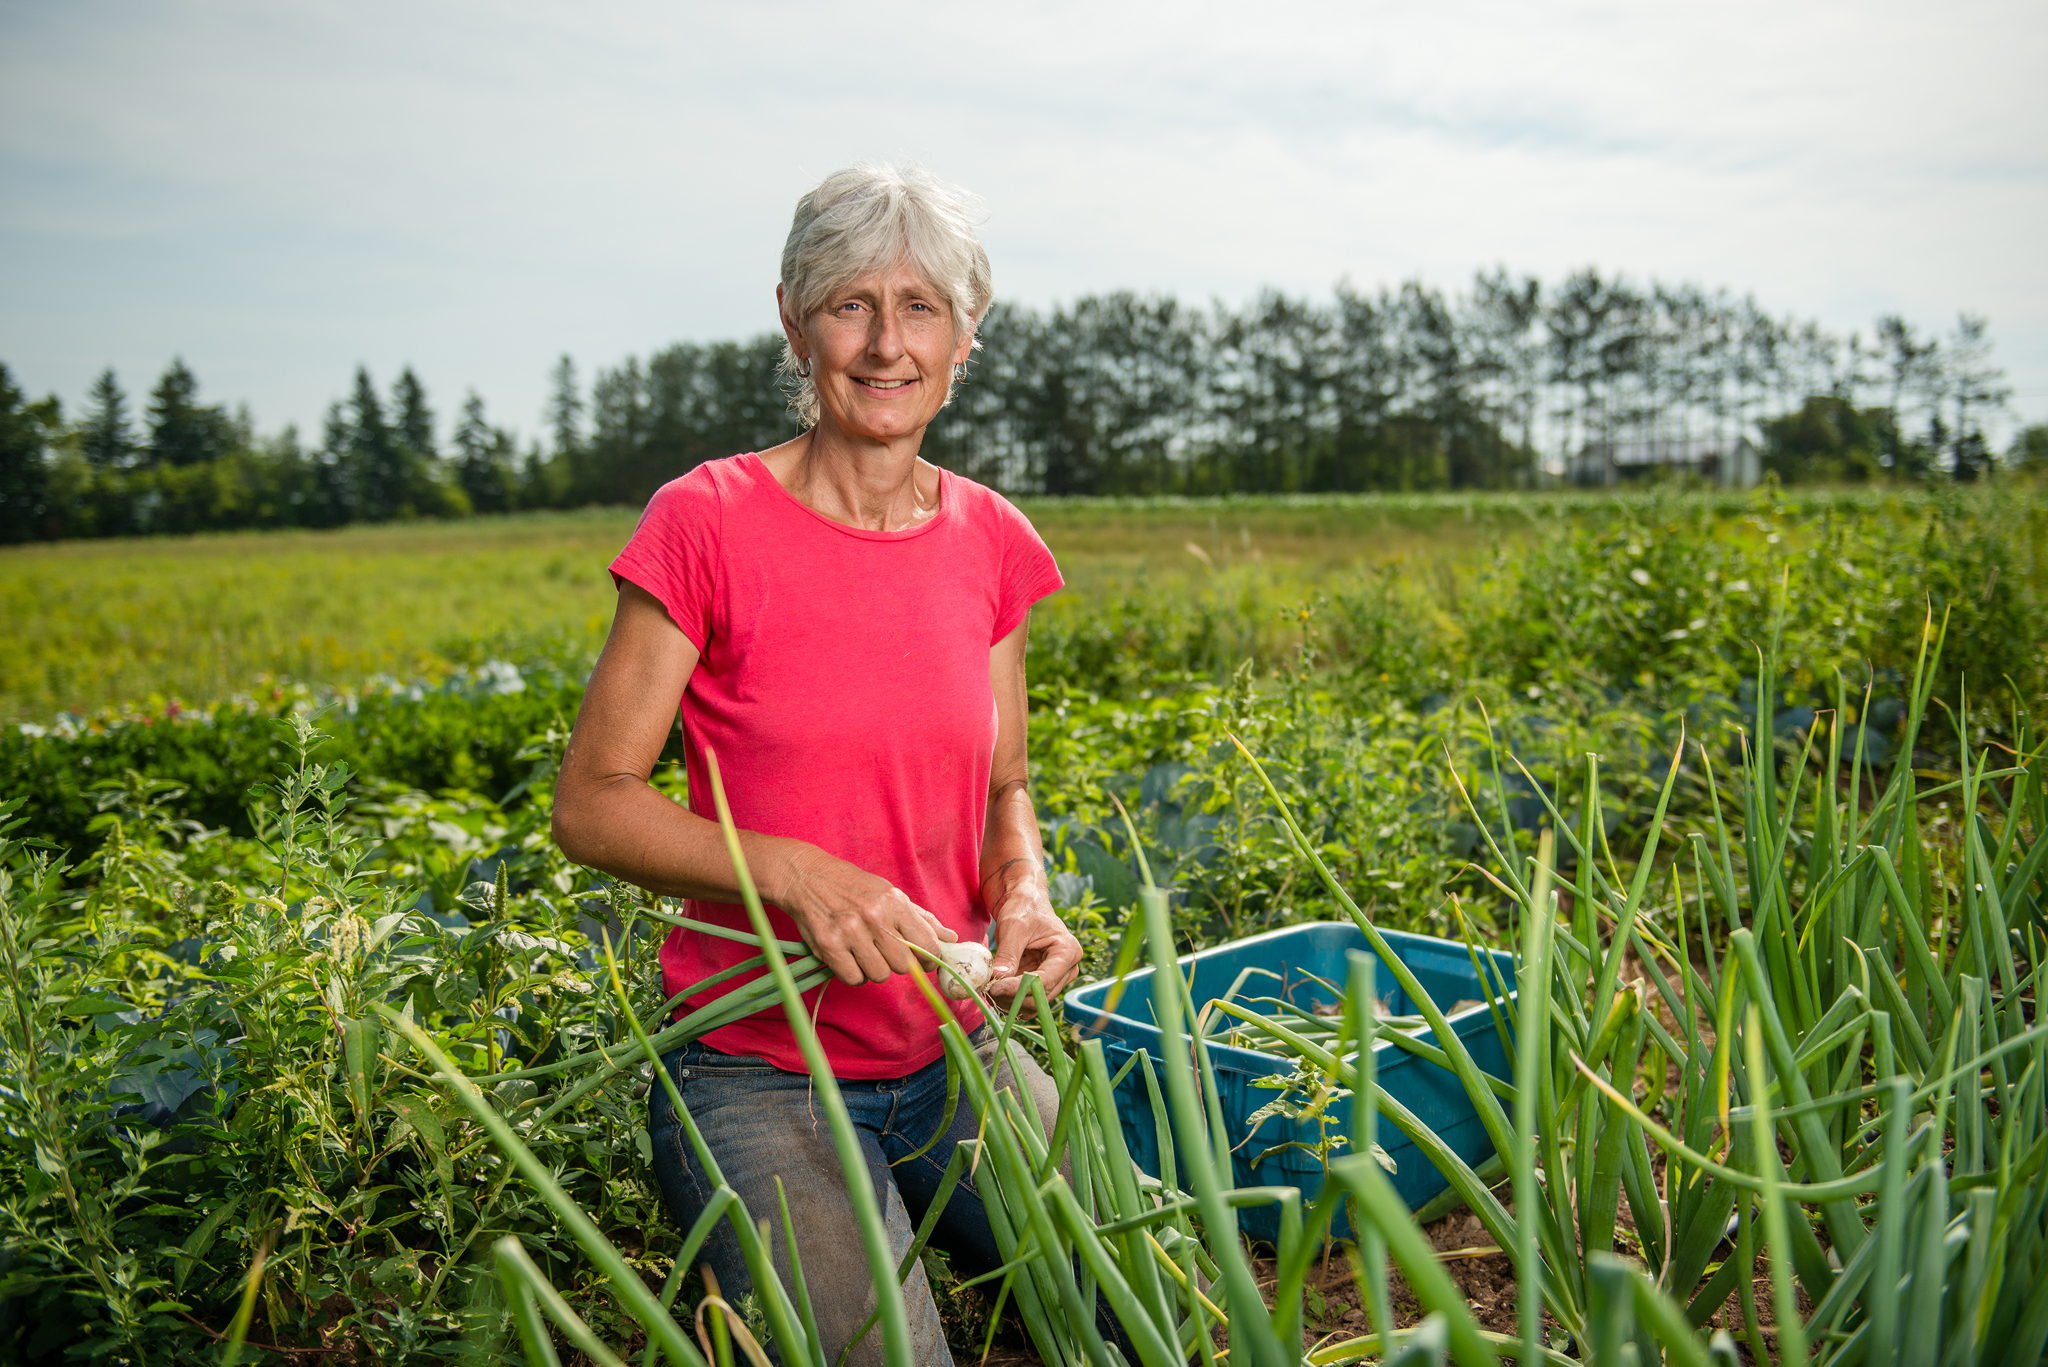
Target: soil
(1486, 1279)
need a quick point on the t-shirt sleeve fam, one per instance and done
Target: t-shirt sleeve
(1029, 571)
(673, 553)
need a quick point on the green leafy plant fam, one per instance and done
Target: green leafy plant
(197, 1071)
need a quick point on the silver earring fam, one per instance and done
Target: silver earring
(803, 368)
(959, 372)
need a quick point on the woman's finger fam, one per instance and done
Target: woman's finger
(876, 963)
(911, 922)
(1015, 937)
(1062, 958)
(839, 956)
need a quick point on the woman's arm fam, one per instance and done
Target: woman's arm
(1030, 936)
(606, 815)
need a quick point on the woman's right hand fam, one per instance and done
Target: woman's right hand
(857, 924)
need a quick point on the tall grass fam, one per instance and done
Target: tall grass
(1855, 995)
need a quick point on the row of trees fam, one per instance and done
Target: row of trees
(1405, 388)
(1402, 388)
(189, 466)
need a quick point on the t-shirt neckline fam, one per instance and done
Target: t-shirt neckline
(759, 469)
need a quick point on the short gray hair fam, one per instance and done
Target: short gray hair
(867, 218)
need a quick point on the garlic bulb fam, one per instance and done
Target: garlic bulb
(971, 960)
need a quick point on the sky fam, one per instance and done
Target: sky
(279, 192)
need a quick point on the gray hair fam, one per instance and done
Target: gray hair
(867, 218)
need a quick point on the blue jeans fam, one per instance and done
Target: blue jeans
(761, 1122)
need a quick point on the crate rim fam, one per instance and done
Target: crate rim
(1092, 1021)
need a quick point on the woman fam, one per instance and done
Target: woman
(843, 624)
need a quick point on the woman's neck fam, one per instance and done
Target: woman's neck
(875, 486)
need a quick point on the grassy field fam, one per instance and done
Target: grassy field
(98, 623)
(139, 621)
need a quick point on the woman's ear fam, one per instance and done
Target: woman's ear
(797, 343)
(966, 347)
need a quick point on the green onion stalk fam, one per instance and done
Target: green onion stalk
(1820, 1010)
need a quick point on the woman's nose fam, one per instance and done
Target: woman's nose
(885, 336)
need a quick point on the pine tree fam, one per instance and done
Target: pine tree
(415, 419)
(331, 497)
(107, 438)
(483, 461)
(377, 465)
(565, 416)
(565, 408)
(24, 477)
(181, 431)
(543, 480)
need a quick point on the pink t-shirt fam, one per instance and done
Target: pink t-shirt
(843, 683)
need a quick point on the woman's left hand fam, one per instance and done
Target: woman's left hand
(1030, 938)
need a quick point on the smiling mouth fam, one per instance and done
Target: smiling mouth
(885, 384)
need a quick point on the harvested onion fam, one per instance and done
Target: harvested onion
(971, 960)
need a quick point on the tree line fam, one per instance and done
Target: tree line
(1402, 388)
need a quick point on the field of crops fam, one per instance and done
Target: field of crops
(196, 619)
(317, 1047)
(96, 624)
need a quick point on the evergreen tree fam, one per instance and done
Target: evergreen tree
(378, 469)
(430, 490)
(284, 487)
(543, 480)
(24, 477)
(107, 438)
(570, 475)
(415, 419)
(565, 410)
(181, 431)
(619, 413)
(484, 461)
(1409, 387)
(330, 499)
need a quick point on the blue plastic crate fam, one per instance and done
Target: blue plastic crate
(1434, 1094)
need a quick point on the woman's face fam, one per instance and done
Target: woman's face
(882, 353)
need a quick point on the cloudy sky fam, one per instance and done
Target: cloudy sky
(281, 191)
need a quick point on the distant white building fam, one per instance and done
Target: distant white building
(1731, 463)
